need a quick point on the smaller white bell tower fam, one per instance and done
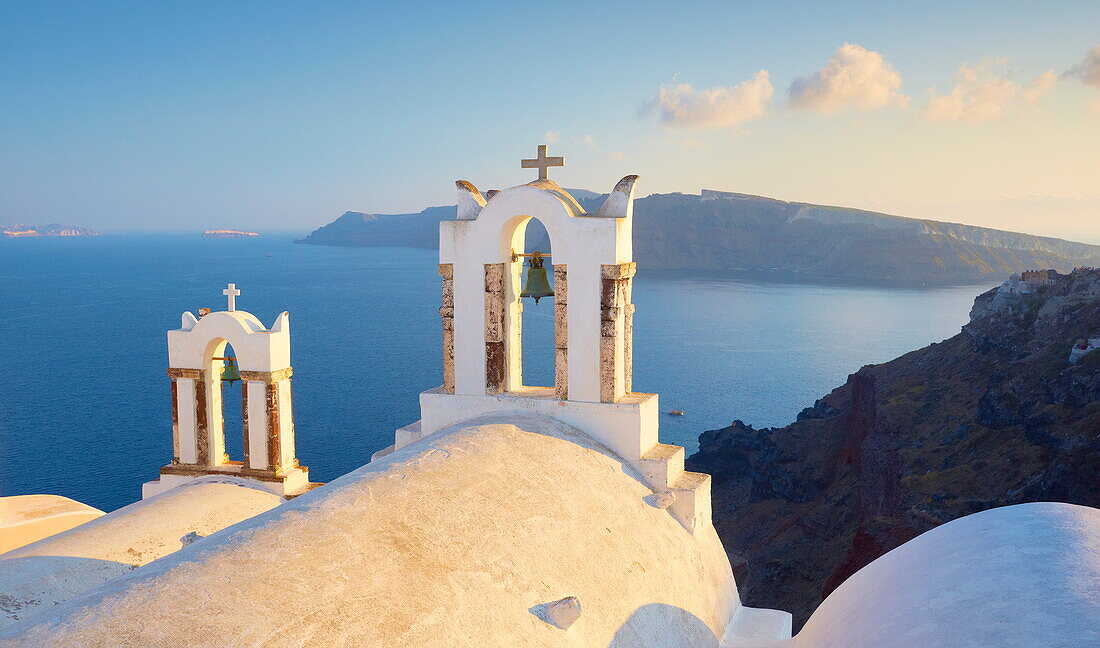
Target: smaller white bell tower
(196, 359)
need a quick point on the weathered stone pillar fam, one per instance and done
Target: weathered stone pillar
(202, 419)
(495, 355)
(244, 422)
(188, 389)
(447, 314)
(561, 332)
(628, 341)
(175, 422)
(615, 293)
(269, 425)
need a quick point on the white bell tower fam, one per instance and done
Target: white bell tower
(195, 359)
(481, 261)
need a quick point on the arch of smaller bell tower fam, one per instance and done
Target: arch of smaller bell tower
(195, 365)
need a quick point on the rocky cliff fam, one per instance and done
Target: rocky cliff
(995, 415)
(738, 232)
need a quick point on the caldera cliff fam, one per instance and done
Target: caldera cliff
(993, 416)
(732, 232)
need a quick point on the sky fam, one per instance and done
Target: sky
(281, 116)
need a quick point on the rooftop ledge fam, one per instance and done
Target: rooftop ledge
(546, 393)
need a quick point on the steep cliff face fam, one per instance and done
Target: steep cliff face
(739, 232)
(995, 415)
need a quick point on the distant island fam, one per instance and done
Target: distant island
(1005, 412)
(30, 231)
(742, 233)
(224, 233)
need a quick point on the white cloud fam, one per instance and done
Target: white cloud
(1039, 86)
(552, 137)
(1088, 70)
(682, 105)
(616, 155)
(1094, 106)
(982, 92)
(854, 78)
(589, 141)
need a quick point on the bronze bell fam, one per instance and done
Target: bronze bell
(230, 373)
(537, 286)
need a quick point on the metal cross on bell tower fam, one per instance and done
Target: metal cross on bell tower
(232, 293)
(542, 162)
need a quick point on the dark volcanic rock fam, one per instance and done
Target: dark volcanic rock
(993, 416)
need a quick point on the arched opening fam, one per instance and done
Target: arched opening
(537, 346)
(232, 405)
(225, 402)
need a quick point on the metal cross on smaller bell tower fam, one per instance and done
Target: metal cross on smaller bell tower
(542, 162)
(232, 293)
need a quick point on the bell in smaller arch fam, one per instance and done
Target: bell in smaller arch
(537, 286)
(230, 374)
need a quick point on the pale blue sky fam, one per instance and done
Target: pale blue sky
(282, 115)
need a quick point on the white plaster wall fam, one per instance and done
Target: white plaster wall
(257, 425)
(584, 330)
(294, 482)
(215, 422)
(513, 317)
(629, 427)
(257, 348)
(185, 411)
(286, 424)
(445, 543)
(469, 326)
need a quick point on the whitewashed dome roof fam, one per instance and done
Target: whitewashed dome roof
(456, 539)
(1025, 575)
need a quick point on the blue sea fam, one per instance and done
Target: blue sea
(84, 399)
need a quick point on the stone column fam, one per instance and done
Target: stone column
(269, 428)
(187, 388)
(561, 332)
(495, 356)
(202, 430)
(175, 423)
(628, 340)
(244, 422)
(513, 326)
(447, 313)
(211, 421)
(614, 348)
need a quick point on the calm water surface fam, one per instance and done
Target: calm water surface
(84, 400)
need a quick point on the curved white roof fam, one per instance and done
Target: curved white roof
(36, 577)
(459, 539)
(1025, 575)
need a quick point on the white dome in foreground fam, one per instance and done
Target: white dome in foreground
(1025, 575)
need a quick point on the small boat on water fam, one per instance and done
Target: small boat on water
(676, 412)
